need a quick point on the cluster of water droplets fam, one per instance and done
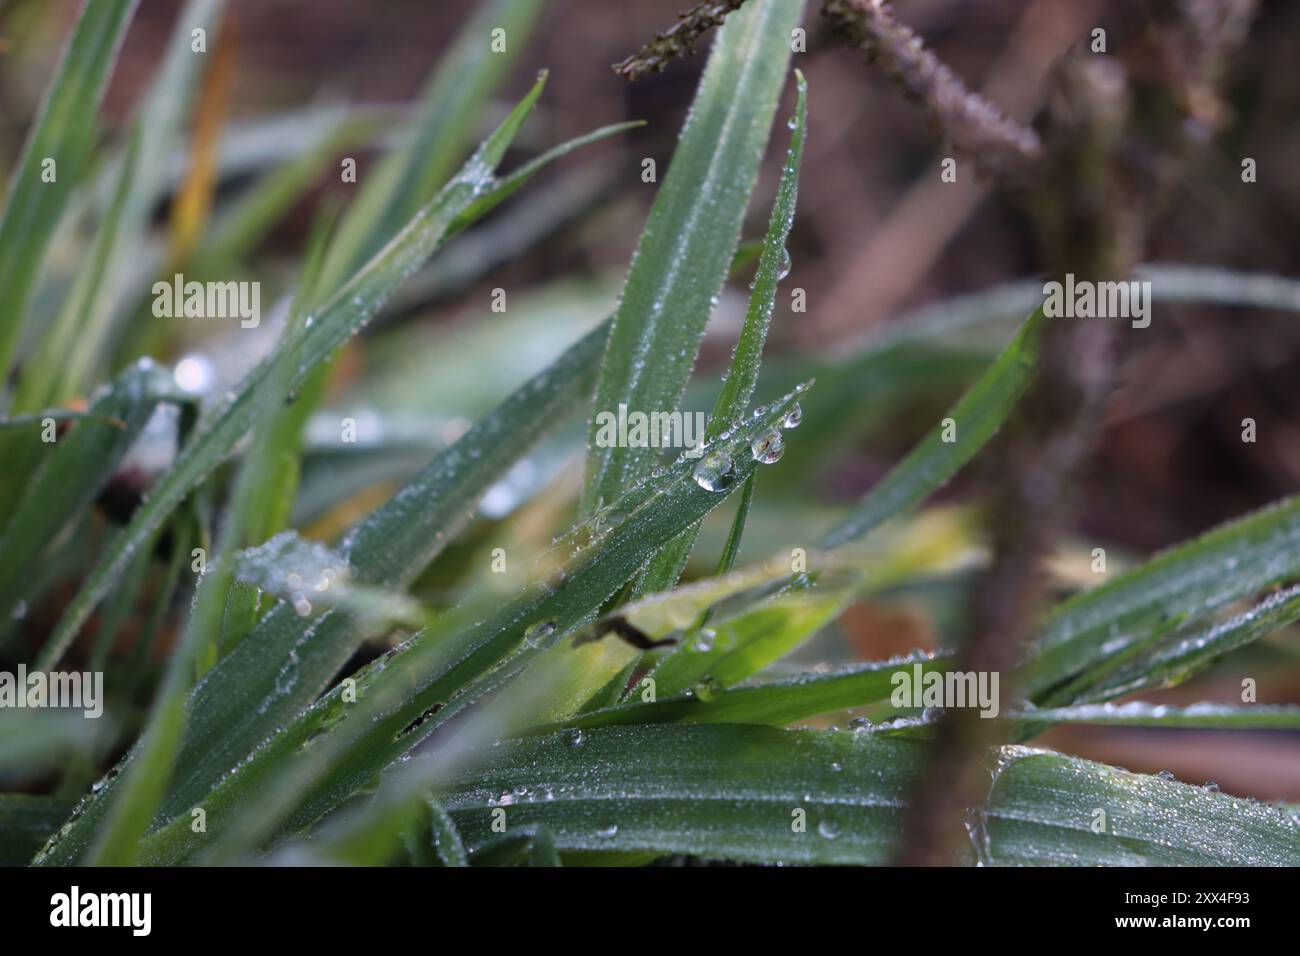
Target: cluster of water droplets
(716, 470)
(296, 569)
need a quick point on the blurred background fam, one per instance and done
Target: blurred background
(877, 237)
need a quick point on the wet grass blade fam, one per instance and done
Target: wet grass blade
(78, 466)
(1043, 811)
(1236, 560)
(978, 416)
(731, 792)
(25, 823)
(441, 674)
(62, 133)
(50, 376)
(687, 247)
(742, 375)
(1189, 650)
(1142, 714)
(737, 646)
(466, 78)
(346, 312)
(777, 703)
(287, 660)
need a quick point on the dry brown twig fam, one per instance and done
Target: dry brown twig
(1090, 221)
(677, 41)
(1092, 201)
(976, 129)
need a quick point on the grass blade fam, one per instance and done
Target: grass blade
(413, 687)
(717, 791)
(742, 374)
(1186, 652)
(63, 132)
(77, 469)
(978, 416)
(777, 703)
(25, 823)
(1234, 561)
(691, 236)
(346, 312)
(1142, 714)
(1043, 809)
(467, 76)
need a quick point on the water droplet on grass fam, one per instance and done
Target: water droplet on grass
(786, 265)
(768, 448)
(707, 689)
(715, 472)
(536, 633)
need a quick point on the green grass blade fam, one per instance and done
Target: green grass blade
(466, 78)
(978, 416)
(50, 376)
(742, 375)
(47, 379)
(1043, 812)
(773, 264)
(732, 648)
(777, 703)
(25, 823)
(1142, 714)
(717, 791)
(78, 467)
(474, 662)
(158, 129)
(1189, 650)
(63, 132)
(287, 660)
(1234, 561)
(446, 838)
(346, 312)
(691, 236)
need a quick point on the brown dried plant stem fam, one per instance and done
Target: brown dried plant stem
(1090, 224)
(1091, 202)
(677, 41)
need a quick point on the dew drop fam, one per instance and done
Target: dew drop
(715, 472)
(786, 265)
(828, 829)
(793, 417)
(767, 449)
(302, 606)
(536, 633)
(707, 689)
(704, 641)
